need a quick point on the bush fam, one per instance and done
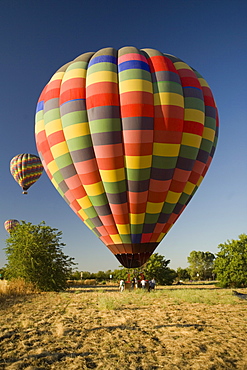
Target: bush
(34, 253)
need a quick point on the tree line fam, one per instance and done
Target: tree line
(34, 253)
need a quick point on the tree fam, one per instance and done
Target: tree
(231, 263)
(34, 253)
(2, 273)
(183, 274)
(201, 265)
(156, 267)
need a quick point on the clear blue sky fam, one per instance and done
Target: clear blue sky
(38, 36)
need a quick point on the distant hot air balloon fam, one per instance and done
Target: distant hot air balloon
(126, 137)
(10, 225)
(26, 169)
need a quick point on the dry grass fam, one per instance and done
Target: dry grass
(14, 288)
(179, 327)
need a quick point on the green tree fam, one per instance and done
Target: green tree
(183, 274)
(201, 265)
(156, 267)
(231, 263)
(34, 253)
(2, 273)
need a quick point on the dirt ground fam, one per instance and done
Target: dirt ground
(101, 328)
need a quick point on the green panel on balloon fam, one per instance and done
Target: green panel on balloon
(105, 125)
(194, 103)
(139, 174)
(164, 162)
(210, 122)
(188, 152)
(136, 228)
(58, 177)
(63, 161)
(79, 142)
(167, 86)
(77, 65)
(115, 187)
(99, 67)
(51, 115)
(206, 145)
(135, 74)
(168, 208)
(151, 218)
(91, 213)
(98, 200)
(73, 118)
(89, 223)
(125, 238)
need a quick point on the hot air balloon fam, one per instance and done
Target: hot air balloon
(26, 169)
(10, 225)
(126, 137)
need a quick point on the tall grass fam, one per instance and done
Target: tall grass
(205, 296)
(107, 301)
(15, 288)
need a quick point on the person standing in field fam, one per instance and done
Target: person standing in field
(136, 282)
(143, 283)
(121, 285)
(132, 283)
(153, 283)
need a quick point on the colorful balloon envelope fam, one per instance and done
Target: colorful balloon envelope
(126, 137)
(26, 170)
(10, 225)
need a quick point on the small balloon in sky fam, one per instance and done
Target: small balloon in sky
(26, 169)
(9, 225)
(126, 137)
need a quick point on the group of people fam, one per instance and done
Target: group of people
(150, 285)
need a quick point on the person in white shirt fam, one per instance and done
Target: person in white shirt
(143, 283)
(121, 285)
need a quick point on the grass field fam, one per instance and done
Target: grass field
(174, 327)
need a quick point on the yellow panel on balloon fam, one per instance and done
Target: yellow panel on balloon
(94, 189)
(101, 76)
(113, 175)
(181, 65)
(53, 126)
(194, 115)
(137, 218)
(55, 183)
(154, 207)
(135, 162)
(84, 202)
(83, 215)
(172, 197)
(161, 236)
(52, 167)
(57, 76)
(166, 98)
(76, 130)
(116, 239)
(59, 149)
(208, 134)
(74, 73)
(166, 150)
(191, 140)
(40, 126)
(123, 229)
(189, 187)
(199, 181)
(135, 85)
(203, 83)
